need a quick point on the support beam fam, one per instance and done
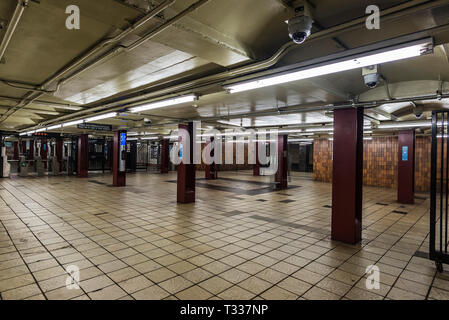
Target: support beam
(347, 177)
(31, 152)
(44, 152)
(282, 172)
(165, 156)
(256, 166)
(83, 156)
(406, 167)
(210, 170)
(58, 152)
(119, 159)
(186, 171)
(16, 150)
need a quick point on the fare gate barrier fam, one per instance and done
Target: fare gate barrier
(439, 191)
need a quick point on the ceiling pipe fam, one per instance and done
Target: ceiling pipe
(389, 14)
(96, 49)
(12, 25)
(407, 8)
(302, 109)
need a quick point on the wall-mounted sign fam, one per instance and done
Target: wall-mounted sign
(94, 126)
(405, 153)
(123, 139)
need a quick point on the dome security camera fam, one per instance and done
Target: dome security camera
(300, 28)
(300, 25)
(371, 76)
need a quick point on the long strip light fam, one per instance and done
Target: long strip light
(164, 103)
(411, 50)
(102, 116)
(72, 123)
(405, 125)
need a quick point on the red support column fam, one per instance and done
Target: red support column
(83, 156)
(186, 172)
(347, 177)
(406, 167)
(210, 170)
(16, 150)
(165, 156)
(256, 166)
(282, 172)
(31, 153)
(119, 159)
(24, 146)
(59, 151)
(44, 152)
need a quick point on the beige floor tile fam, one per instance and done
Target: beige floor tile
(235, 275)
(197, 275)
(399, 294)
(316, 293)
(123, 274)
(175, 285)
(236, 293)
(95, 283)
(160, 275)
(194, 293)
(215, 285)
(135, 284)
(151, 293)
(294, 285)
(63, 294)
(21, 293)
(113, 292)
(16, 282)
(360, 294)
(277, 293)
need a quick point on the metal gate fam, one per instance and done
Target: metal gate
(439, 196)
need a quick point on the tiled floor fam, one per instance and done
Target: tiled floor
(138, 243)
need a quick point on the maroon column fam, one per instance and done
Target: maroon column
(210, 170)
(44, 152)
(24, 146)
(31, 153)
(16, 150)
(256, 166)
(347, 176)
(58, 152)
(119, 158)
(186, 172)
(406, 167)
(282, 172)
(83, 156)
(165, 156)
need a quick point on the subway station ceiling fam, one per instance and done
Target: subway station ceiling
(128, 53)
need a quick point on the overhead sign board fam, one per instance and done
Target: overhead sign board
(94, 126)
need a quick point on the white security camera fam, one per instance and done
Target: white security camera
(371, 76)
(300, 26)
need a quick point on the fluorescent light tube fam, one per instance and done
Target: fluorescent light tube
(149, 138)
(42, 129)
(344, 65)
(101, 116)
(164, 103)
(404, 125)
(23, 133)
(72, 123)
(58, 126)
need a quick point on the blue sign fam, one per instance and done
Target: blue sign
(180, 151)
(123, 139)
(405, 153)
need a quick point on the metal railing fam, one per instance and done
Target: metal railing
(439, 191)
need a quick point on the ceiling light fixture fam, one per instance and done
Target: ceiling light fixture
(395, 53)
(164, 103)
(72, 123)
(101, 116)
